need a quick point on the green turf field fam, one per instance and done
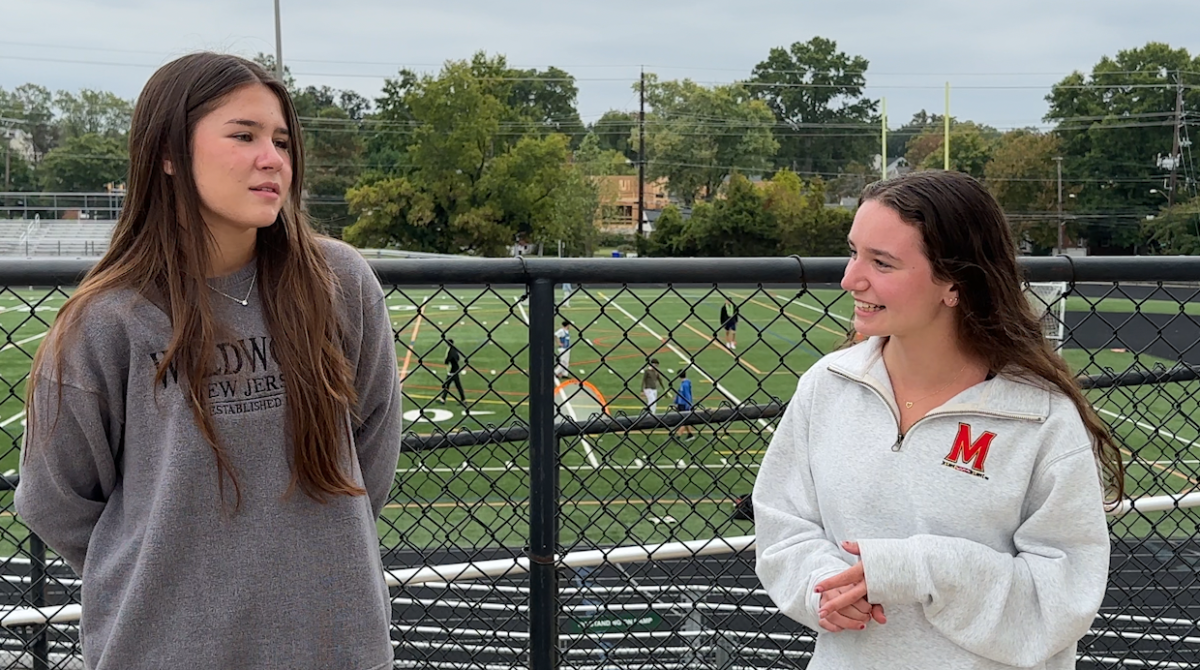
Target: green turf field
(638, 487)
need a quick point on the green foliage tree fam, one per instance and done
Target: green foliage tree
(92, 112)
(816, 94)
(595, 160)
(21, 176)
(334, 148)
(1022, 175)
(84, 163)
(970, 148)
(546, 99)
(615, 131)
(32, 106)
(478, 168)
(697, 136)
(1175, 230)
(668, 235)
(740, 224)
(784, 216)
(1114, 123)
(805, 226)
(921, 123)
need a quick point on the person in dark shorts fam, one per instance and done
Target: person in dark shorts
(453, 373)
(729, 321)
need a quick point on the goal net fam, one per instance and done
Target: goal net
(1050, 307)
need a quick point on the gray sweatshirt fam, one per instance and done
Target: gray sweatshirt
(124, 488)
(982, 530)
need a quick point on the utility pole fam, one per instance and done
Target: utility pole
(1061, 233)
(1175, 146)
(641, 208)
(278, 45)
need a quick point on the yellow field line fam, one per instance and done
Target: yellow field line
(411, 342)
(721, 346)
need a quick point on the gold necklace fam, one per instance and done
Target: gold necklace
(908, 405)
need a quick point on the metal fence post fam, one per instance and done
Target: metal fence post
(37, 593)
(543, 481)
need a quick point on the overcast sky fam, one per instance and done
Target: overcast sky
(999, 57)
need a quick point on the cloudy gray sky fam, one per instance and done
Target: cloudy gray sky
(999, 57)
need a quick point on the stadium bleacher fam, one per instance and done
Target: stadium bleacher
(50, 238)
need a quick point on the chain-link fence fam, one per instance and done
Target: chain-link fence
(549, 512)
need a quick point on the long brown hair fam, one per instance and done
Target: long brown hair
(161, 248)
(969, 244)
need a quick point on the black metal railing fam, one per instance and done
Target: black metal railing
(545, 457)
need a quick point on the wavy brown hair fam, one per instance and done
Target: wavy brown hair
(969, 244)
(161, 248)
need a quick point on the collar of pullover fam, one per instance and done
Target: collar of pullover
(1004, 394)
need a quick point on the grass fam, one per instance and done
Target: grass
(635, 487)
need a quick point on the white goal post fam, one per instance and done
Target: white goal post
(1050, 307)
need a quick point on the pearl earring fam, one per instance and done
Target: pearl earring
(953, 302)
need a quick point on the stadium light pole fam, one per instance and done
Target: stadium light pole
(278, 45)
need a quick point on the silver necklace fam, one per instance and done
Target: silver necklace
(241, 301)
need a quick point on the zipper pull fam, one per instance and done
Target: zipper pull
(899, 441)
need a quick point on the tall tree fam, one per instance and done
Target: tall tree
(334, 147)
(970, 148)
(1116, 123)
(32, 108)
(596, 161)
(21, 176)
(804, 225)
(922, 123)
(548, 100)
(93, 112)
(614, 130)
(84, 163)
(1022, 174)
(1175, 230)
(697, 136)
(479, 168)
(816, 93)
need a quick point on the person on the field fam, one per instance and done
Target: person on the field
(729, 322)
(651, 383)
(562, 338)
(453, 373)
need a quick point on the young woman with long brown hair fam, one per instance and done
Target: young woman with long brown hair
(215, 414)
(934, 496)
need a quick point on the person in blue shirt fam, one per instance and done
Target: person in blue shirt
(563, 336)
(683, 401)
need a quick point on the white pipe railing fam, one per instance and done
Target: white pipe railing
(579, 559)
(28, 616)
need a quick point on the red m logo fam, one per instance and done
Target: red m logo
(966, 451)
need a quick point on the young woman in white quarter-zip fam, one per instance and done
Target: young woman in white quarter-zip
(934, 496)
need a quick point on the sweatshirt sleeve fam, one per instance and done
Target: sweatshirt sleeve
(793, 552)
(1018, 610)
(378, 433)
(68, 468)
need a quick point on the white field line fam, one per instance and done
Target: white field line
(12, 418)
(587, 445)
(1160, 431)
(688, 361)
(822, 311)
(24, 341)
(23, 309)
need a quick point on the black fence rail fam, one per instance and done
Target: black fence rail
(548, 512)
